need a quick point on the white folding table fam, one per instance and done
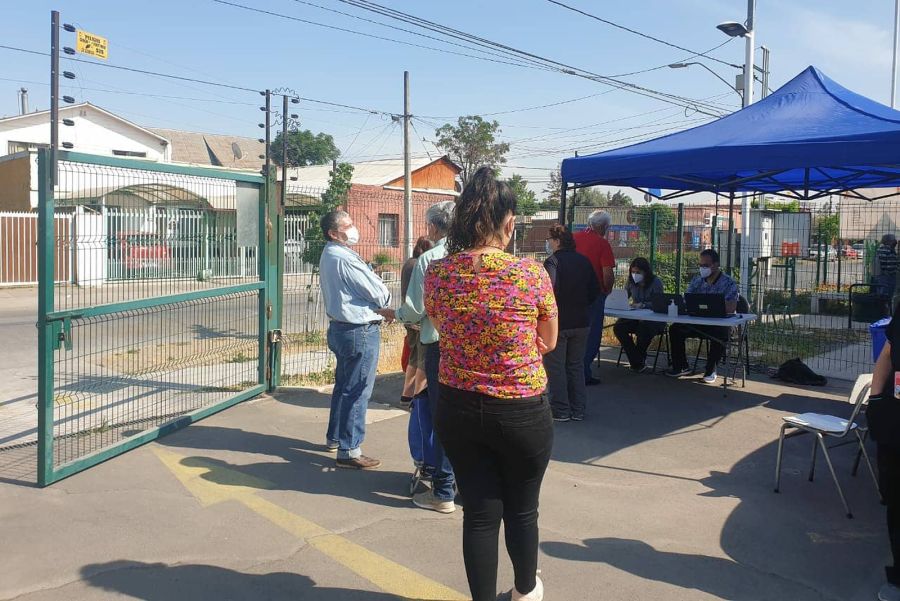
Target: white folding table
(739, 319)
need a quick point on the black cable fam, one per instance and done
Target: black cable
(200, 81)
(557, 66)
(369, 35)
(641, 34)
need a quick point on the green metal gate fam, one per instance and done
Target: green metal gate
(157, 324)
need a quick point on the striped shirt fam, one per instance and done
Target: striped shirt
(887, 260)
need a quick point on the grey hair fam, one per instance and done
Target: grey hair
(599, 218)
(440, 215)
(330, 222)
(888, 239)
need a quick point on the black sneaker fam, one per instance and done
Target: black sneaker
(577, 417)
(561, 418)
(676, 372)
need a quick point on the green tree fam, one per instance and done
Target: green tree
(589, 197)
(666, 218)
(619, 199)
(305, 148)
(828, 227)
(339, 182)
(471, 144)
(552, 191)
(526, 203)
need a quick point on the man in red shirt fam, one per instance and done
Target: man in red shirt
(592, 244)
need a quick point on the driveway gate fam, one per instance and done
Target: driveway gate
(123, 360)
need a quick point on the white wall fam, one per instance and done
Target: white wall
(94, 132)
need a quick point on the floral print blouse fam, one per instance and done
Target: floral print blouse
(488, 318)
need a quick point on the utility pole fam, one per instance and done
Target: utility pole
(765, 70)
(407, 175)
(284, 156)
(894, 61)
(54, 92)
(747, 101)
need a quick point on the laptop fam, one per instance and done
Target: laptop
(618, 300)
(660, 303)
(705, 305)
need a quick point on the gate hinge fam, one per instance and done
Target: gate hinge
(269, 310)
(62, 333)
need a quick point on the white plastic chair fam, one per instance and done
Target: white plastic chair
(821, 425)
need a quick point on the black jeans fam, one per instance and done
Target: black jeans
(499, 449)
(644, 331)
(889, 482)
(716, 335)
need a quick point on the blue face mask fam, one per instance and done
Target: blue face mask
(547, 247)
(705, 272)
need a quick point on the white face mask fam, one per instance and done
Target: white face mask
(352, 235)
(548, 247)
(705, 272)
(637, 277)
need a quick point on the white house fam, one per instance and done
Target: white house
(95, 131)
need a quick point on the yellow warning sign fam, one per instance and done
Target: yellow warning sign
(93, 45)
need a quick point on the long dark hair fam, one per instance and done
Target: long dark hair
(422, 244)
(480, 210)
(644, 265)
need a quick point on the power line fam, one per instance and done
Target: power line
(194, 80)
(666, 65)
(641, 34)
(531, 57)
(370, 35)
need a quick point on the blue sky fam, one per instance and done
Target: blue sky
(850, 41)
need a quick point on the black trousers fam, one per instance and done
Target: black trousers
(499, 449)
(716, 335)
(643, 331)
(888, 457)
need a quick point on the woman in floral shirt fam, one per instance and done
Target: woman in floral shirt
(496, 315)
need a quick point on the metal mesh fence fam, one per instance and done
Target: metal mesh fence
(813, 273)
(131, 371)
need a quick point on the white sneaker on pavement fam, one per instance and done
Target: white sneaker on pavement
(711, 378)
(537, 594)
(427, 500)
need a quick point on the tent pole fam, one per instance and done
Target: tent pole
(730, 230)
(562, 204)
(679, 248)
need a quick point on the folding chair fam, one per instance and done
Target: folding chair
(662, 346)
(821, 425)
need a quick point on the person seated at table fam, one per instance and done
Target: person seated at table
(710, 281)
(641, 286)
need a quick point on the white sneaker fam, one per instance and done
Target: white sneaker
(711, 378)
(888, 592)
(427, 500)
(537, 594)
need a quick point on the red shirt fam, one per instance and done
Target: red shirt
(597, 250)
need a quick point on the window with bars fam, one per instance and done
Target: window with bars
(388, 229)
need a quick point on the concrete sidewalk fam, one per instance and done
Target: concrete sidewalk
(664, 492)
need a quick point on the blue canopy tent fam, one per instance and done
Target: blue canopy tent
(809, 139)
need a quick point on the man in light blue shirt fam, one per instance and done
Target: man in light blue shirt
(412, 311)
(352, 294)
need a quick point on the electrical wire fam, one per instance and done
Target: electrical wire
(641, 34)
(534, 58)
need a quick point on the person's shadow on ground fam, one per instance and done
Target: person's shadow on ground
(723, 578)
(194, 582)
(302, 467)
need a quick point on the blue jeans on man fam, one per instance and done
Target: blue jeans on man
(595, 335)
(443, 480)
(355, 348)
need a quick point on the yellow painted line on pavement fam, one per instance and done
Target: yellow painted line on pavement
(211, 484)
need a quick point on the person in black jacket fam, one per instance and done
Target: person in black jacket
(576, 287)
(883, 415)
(641, 286)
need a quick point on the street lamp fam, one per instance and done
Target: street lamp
(733, 29)
(722, 79)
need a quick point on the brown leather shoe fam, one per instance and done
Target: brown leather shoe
(359, 463)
